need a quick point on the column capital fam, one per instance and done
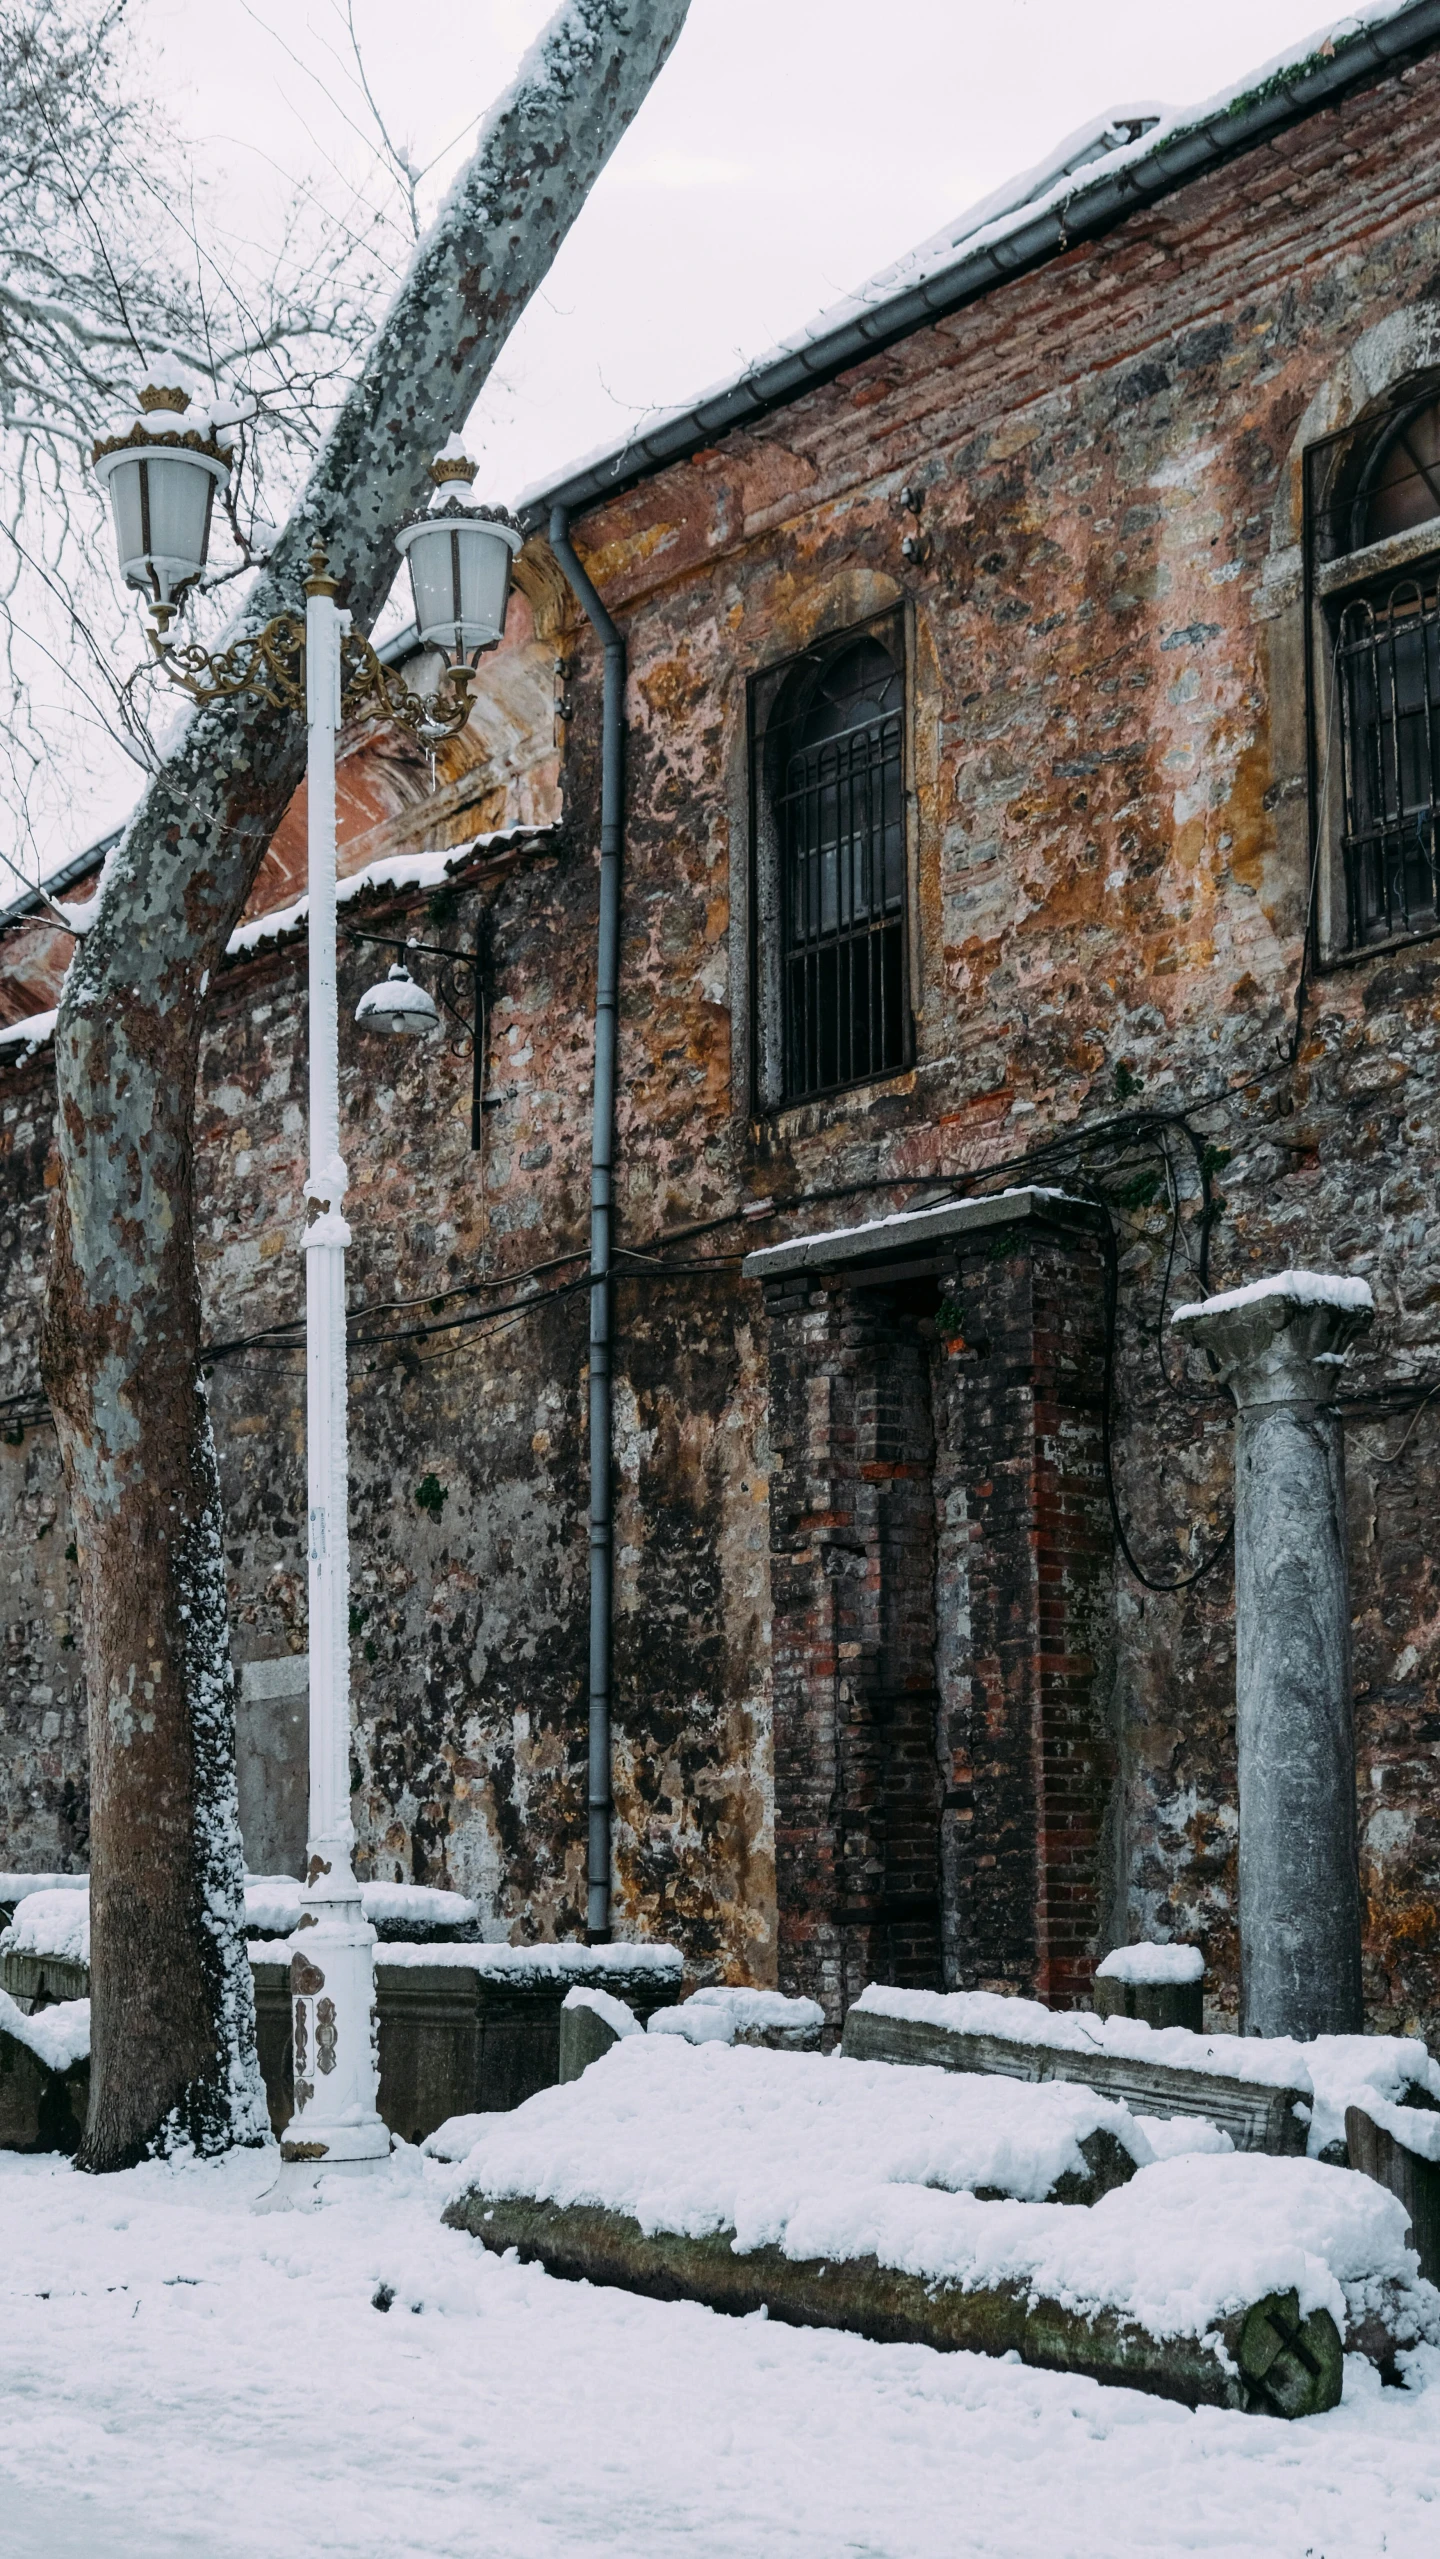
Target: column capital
(1281, 1340)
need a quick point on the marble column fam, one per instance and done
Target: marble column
(1279, 1347)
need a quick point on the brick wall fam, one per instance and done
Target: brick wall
(852, 1579)
(1031, 1758)
(942, 1646)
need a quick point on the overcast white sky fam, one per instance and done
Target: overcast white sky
(789, 149)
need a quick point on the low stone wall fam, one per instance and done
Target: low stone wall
(452, 2041)
(1257, 2116)
(40, 2109)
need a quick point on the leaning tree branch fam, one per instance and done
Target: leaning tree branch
(173, 2037)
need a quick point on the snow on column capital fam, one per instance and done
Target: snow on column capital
(1279, 1346)
(1280, 1340)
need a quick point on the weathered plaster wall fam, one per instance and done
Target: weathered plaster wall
(1108, 852)
(470, 1606)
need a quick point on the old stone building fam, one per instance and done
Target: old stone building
(1030, 914)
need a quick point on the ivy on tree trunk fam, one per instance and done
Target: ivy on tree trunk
(173, 2034)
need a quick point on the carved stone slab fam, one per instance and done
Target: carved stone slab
(1255, 2117)
(1404, 2172)
(1265, 2358)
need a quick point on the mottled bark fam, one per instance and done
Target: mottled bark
(174, 2038)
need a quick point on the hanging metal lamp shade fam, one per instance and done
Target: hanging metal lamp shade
(398, 1007)
(459, 555)
(161, 478)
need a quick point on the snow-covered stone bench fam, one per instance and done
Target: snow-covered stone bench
(836, 2193)
(1265, 2093)
(592, 2020)
(1069, 2148)
(736, 2016)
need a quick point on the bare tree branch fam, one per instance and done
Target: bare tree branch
(110, 260)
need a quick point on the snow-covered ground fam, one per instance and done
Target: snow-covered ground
(184, 2376)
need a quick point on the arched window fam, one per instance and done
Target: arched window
(835, 769)
(1400, 486)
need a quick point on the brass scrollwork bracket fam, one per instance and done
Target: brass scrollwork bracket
(270, 665)
(371, 690)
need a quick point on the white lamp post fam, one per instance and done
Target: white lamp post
(162, 480)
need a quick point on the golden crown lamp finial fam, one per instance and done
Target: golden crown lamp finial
(164, 395)
(452, 462)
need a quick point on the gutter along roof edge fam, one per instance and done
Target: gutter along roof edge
(1013, 245)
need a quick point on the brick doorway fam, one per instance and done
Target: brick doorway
(941, 1578)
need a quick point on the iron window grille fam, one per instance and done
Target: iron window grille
(1388, 668)
(1372, 597)
(828, 734)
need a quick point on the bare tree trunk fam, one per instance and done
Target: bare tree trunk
(174, 2041)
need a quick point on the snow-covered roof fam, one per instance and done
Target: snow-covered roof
(913, 1230)
(29, 1034)
(1091, 181)
(397, 873)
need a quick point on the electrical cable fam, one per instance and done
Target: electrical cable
(1107, 1391)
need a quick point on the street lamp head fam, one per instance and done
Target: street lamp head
(460, 555)
(399, 1007)
(162, 477)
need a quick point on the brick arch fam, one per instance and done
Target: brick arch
(1394, 351)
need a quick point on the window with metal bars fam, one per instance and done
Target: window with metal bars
(1388, 666)
(832, 902)
(1373, 548)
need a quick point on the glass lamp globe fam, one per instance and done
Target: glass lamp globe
(459, 555)
(161, 478)
(398, 1007)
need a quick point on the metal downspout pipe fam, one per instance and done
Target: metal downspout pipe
(602, 1167)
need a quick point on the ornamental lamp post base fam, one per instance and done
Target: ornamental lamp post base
(336, 2122)
(335, 2129)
